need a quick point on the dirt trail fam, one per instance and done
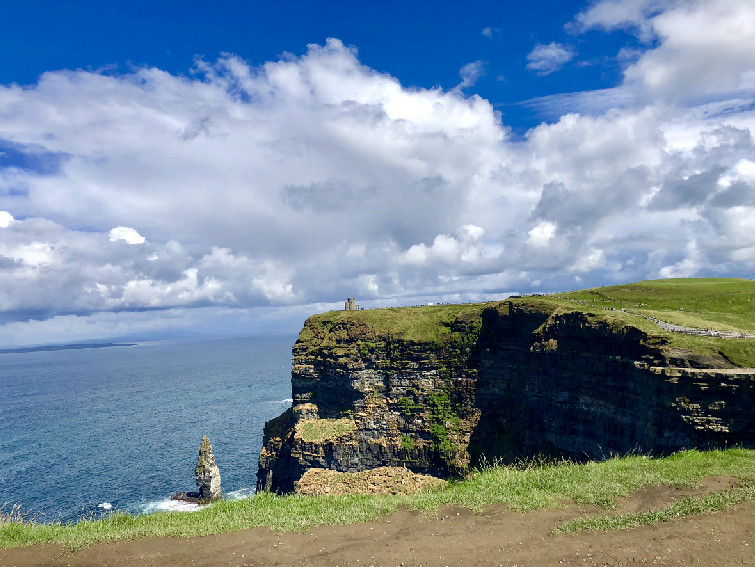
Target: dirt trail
(451, 537)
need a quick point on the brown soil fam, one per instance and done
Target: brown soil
(382, 480)
(451, 537)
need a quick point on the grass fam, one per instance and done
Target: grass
(528, 486)
(690, 506)
(319, 430)
(739, 351)
(429, 323)
(724, 304)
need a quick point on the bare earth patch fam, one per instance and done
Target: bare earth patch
(453, 536)
(653, 497)
(382, 480)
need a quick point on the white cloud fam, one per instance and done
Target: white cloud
(541, 234)
(612, 14)
(704, 47)
(469, 74)
(592, 260)
(5, 219)
(310, 179)
(489, 32)
(129, 235)
(545, 59)
(472, 231)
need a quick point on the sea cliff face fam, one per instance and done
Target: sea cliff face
(496, 381)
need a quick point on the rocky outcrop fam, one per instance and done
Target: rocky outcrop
(206, 473)
(207, 477)
(498, 381)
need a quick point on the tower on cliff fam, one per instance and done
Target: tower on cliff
(351, 304)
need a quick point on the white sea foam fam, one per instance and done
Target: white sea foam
(168, 506)
(239, 494)
(105, 506)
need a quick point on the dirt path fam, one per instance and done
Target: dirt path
(452, 537)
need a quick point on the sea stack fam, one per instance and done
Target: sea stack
(207, 473)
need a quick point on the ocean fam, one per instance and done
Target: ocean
(85, 430)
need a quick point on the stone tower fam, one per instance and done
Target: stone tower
(351, 304)
(207, 473)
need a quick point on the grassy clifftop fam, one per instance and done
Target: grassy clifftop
(431, 323)
(723, 304)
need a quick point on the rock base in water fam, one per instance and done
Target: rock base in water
(192, 497)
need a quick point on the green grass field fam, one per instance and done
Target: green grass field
(724, 304)
(527, 486)
(710, 297)
(427, 323)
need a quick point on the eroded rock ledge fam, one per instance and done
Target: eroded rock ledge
(497, 381)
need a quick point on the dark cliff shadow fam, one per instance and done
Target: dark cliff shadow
(573, 388)
(505, 430)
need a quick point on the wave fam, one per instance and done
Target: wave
(166, 505)
(240, 493)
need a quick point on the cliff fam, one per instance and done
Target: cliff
(438, 389)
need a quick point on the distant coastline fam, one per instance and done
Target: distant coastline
(62, 347)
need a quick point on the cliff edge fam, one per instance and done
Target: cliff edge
(438, 389)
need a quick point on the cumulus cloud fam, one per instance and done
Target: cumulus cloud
(545, 59)
(309, 179)
(128, 235)
(704, 47)
(5, 219)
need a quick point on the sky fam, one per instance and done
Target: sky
(171, 168)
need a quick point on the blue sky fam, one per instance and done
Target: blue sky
(171, 167)
(422, 44)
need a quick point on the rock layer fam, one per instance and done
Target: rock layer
(207, 473)
(504, 381)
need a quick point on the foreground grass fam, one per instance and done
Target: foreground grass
(690, 506)
(525, 487)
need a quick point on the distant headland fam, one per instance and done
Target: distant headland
(62, 347)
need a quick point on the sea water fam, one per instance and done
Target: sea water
(87, 431)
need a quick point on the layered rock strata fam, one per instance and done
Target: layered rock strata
(497, 382)
(207, 474)
(207, 477)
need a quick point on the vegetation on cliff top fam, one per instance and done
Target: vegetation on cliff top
(723, 304)
(427, 324)
(522, 487)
